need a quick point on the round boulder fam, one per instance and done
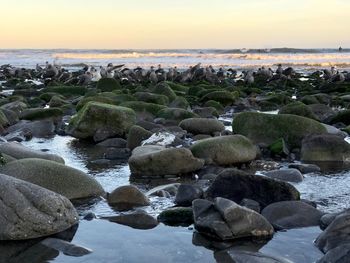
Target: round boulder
(292, 214)
(225, 150)
(126, 197)
(30, 211)
(59, 178)
(154, 160)
(202, 126)
(289, 175)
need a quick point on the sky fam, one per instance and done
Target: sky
(168, 24)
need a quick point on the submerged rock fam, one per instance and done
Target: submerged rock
(291, 214)
(240, 256)
(225, 150)
(157, 161)
(65, 247)
(139, 220)
(30, 211)
(236, 185)
(340, 254)
(59, 178)
(305, 168)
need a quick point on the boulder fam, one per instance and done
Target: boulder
(39, 129)
(108, 84)
(336, 234)
(170, 189)
(341, 117)
(225, 150)
(291, 214)
(225, 220)
(340, 254)
(175, 114)
(152, 98)
(267, 128)
(153, 160)
(297, 108)
(101, 121)
(186, 193)
(126, 197)
(202, 126)
(322, 112)
(30, 211)
(326, 147)
(59, 178)
(163, 88)
(41, 113)
(236, 185)
(136, 135)
(19, 151)
(289, 175)
(176, 216)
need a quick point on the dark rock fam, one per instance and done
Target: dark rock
(340, 254)
(113, 142)
(65, 247)
(291, 214)
(136, 135)
(326, 147)
(251, 204)
(187, 193)
(236, 185)
(239, 256)
(176, 216)
(117, 153)
(289, 175)
(336, 234)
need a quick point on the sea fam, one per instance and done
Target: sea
(300, 59)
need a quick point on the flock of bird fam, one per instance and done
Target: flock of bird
(90, 74)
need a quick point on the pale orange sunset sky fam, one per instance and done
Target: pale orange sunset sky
(174, 24)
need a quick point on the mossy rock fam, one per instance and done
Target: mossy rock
(194, 90)
(57, 101)
(202, 126)
(152, 98)
(163, 88)
(224, 97)
(202, 93)
(3, 120)
(342, 116)
(47, 96)
(279, 147)
(108, 84)
(176, 114)
(309, 99)
(176, 216)
(297, 108)
(178, 87)
(179, 102)
(268, 106)
(143, 107)
(67, 91)
(267, 128)
(101, 121)
(136, 135)
(214, 104)
(225, 150)
(40, 113)
(36, 102)
(101, 99)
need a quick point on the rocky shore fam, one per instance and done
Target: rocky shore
(195, 137)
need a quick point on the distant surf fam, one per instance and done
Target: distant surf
(303, 59)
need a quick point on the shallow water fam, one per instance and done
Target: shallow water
(169, 244)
